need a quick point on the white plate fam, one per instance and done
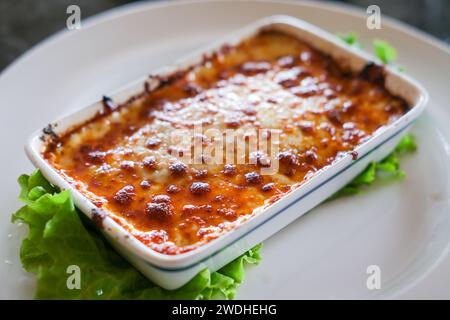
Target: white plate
(402, 227)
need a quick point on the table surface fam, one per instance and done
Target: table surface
(23, 23)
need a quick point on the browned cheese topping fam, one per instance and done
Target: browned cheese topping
(126, 161)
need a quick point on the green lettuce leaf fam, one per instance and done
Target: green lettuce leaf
(388, 168)
(350, 38)
(384, 51)
(59, 237)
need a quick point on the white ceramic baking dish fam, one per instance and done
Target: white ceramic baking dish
(172, 272)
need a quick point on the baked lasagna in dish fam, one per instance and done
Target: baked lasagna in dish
(139, 161)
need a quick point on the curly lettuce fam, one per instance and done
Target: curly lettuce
(384, 51)
(388, 168)
(60, 237)
(350, 38)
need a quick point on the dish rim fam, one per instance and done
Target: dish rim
(207, 250)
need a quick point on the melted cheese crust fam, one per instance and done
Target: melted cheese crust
(125, 160)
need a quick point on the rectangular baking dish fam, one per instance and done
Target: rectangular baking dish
(172, 271)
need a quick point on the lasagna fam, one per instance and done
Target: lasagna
(154, 163)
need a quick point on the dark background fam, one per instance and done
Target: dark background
(24, 23)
